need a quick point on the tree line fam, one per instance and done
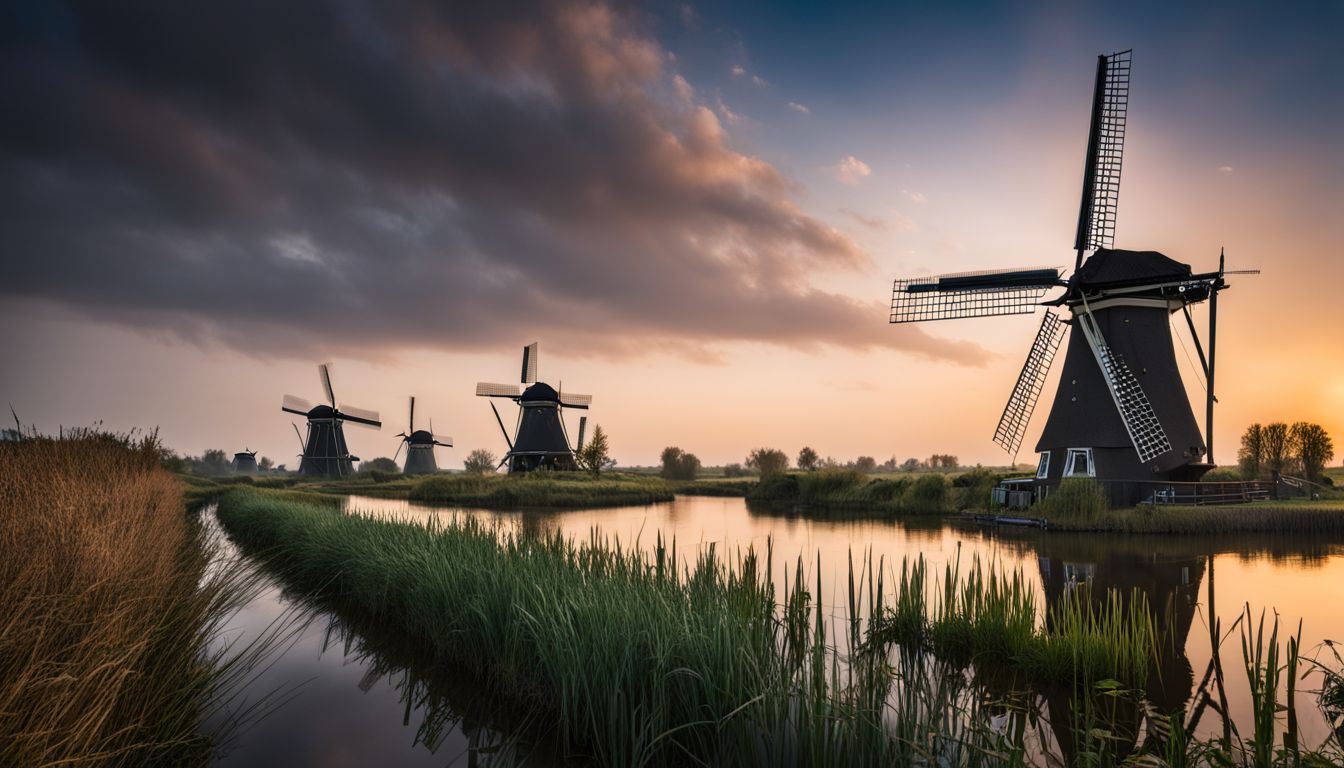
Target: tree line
(1300, 449)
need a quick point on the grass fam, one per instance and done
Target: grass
(1292, 516)
(848, 492)
(540, 489)
(641, 658)
(637, 660)
(107, 608)
(989, 619)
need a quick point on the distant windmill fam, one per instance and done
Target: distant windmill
(324, 452)
(1120, 413)
(540, 440)
(245, 462)
(419, 445)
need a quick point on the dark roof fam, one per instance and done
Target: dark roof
(540, 391)
(420, 436)
(1111, 266)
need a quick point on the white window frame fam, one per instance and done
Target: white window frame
(1091, 463)
(1043, 466)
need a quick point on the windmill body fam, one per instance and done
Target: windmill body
(245, 462)
(324, 451)
(1120, 412)
(419, 445)
(540, 440)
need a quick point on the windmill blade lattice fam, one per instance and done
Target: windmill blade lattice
(1145, 431)
(529, 375)
(1030, 383)
(970, 294)
(1105, 152)
(486, 389)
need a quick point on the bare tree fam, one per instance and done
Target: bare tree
(807, 459)
(768, 461)
(1251, 456)
(1312, 448)
(1276, 450)
(479, 462)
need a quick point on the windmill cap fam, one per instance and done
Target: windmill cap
(1109, 265)
(420, 436)
(321, 412)
(541, 391)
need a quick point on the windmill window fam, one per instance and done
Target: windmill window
(1079, 463)
(1043, 468)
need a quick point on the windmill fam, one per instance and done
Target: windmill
(245, 462)
(1120, 413)
(324, 452)
(540, 440)
(419, 445)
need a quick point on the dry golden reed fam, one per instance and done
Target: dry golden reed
(101, 617)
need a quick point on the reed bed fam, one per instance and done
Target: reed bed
(106, 608)
(852, 493)
(643, 658)
(637, 660)
(1296, 517)
(989, 618)
(540, 489)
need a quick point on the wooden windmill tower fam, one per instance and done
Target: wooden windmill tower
(540, 440)
(324, 452)
(419, 445)
(1121, 413)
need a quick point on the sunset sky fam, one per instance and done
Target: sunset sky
(696, 209)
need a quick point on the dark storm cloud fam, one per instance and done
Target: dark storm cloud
(445, 175)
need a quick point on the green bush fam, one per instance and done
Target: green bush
(1076, 498)
(1222, 475)
(928, 493)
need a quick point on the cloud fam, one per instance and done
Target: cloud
(871, 222)
(738, 70)
(915, 197)
(684, 90)
(796, 107)
(759, 82)
(729, 116)
(851, 169)
(306, 177)
(1224, 169)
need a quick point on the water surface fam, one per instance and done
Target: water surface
(352, 707)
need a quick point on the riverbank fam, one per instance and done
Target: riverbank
(106, 612)
(842, 492)
(538, 490)
(1289, 516)
(633, 659)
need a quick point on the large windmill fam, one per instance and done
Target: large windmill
(419, 445)
(1120, 413)
(324, 452)
(540, 440)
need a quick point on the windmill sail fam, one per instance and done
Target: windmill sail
(486, 389)
(1030, 383)
(1145, 431)
(360, 416)
(971, 294)
(530, 363)
(324, 372)
(1105, 151)
(292, 404)
(571, 400)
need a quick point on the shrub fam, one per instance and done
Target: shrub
(1222, 475)
(928, 493)
(1076, 498)
(768, 461)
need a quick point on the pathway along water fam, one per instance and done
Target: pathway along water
(351, 706)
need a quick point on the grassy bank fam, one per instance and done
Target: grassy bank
(1081, 506)
(540, 489)
(850, 492)
(105, 611)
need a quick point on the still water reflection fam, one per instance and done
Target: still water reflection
(364, 701)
